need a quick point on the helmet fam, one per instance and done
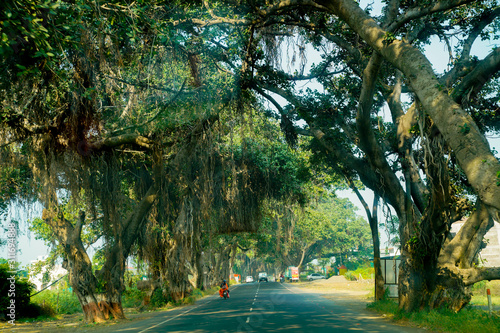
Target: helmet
(223, 280)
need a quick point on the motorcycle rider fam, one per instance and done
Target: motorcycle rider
(224, 286)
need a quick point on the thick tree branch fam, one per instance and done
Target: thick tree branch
(288, 5)
(470, 146)
(419, 12)
(120, 140)
(463, 64)
(471, 233)
(79, 225)
(368, 142)
(473, 275)
(478, 77)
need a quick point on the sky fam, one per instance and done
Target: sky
(30, 248)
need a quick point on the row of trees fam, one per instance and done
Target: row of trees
(293, 235)
(145, 115)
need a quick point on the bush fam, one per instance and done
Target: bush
(479, 287)
(366, 272)
(22, 291)
(158, 299)
(58, 301)
(349, 275)
(197, 293)
(132, 297)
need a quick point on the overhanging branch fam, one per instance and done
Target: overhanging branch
(473, 275)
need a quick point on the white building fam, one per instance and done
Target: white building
(390, 251)
(489, 256)
(55, 273)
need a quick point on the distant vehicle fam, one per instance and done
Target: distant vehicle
(249, 279)
(292, 274)
(263, 277)
(315, 276)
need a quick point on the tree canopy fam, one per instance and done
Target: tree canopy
(151, 116)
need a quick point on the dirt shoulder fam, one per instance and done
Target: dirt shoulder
(351, 294)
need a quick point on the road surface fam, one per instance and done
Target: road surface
(265, 307)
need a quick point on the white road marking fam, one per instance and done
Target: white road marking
(163, 322)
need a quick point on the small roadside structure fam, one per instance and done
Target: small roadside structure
(390, 273)
(342, 270)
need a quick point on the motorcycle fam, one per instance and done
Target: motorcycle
(224, 293)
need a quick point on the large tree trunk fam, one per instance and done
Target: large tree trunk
(422, 286)
(110, 302)
(180, 252)
(177, 272)
(199, 267)
(77, 263)
(471, 147)
(111, 305)
(112, 273)
(84, 285)
(425, 283)
(422, 281)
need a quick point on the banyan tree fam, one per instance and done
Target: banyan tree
(129, 111)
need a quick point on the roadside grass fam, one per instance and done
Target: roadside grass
(56, 302)
(479, 297)
(53, 305)
(482, 300)
(362, 273)
(468, 320)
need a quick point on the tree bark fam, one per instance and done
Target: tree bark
(113, 269)
(458, 128)
(180, 252)
(77, 263)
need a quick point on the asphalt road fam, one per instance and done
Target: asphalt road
(265, 307)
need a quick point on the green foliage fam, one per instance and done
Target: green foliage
(349, 275)
(389, 38)
(132, 297)
(57, 301)
(465, 128)
(82, 72)
(479, 286)
(366, 272)
(13, 287)
(158, 300)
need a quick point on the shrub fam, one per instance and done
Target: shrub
(479, 287)
(349, 275)
(23, 289)
(158, 299)
(58, 301)
(197, 293)
(366, 272)
(132, 297)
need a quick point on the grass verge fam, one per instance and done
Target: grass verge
(468, 320)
